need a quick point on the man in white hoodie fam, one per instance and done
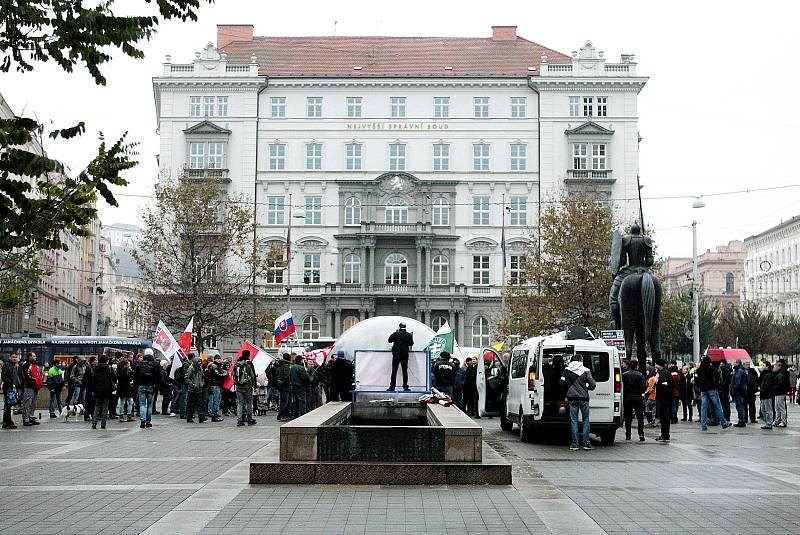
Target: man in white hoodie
(578, 380)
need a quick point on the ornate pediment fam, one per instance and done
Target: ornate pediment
(205, 128)
(589, 128)
(517, 244)
(397, 183)
(481, 244)
(312, 243)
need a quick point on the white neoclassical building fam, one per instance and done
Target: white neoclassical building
(407, 157)
(772, 269)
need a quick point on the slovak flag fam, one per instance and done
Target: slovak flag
(284, 327)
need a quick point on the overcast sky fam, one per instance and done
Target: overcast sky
(718, 114)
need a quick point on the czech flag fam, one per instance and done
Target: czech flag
(284, 327)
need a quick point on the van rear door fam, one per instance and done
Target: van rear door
(492, 382)
(601, 399)
(554, 360)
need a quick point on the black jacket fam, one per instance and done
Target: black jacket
(471, 378)
(147, 373)
(103, 381)
(782, 382)
(767, 384)
(124, 382)
(633, 385)
(706, 378)
(664, 385)
(753, 382)
(216, 374)
(341, 374)
(401, 341)
(299, 376)
(444, 372)
(725, 377)
(12, 376)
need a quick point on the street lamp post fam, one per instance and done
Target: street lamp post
(698, 203)
(299, 213)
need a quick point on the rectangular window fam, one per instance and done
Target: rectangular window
(197, 155)
(313, 156)
(208, 106)
(216, 158)
(398, 106)
(277, 157)
(314, 210)
(441, 107)
(574, 106)
(515, 264)
(579, 156)
(275, 269)
(441, 213)
(352, 156)
(518, 107)
(278, 105)
(519, 210)
(519, 157)
(441, 157)
(397, 157)
(354, 106)
(313, 106)
(195, 107)
(311, 271)
(480, 269)
(599, 156)
(602, 106)
(480, 157)
(222, 106)
(276, 210)
(480, 210)
(587, 106)
(481, 107)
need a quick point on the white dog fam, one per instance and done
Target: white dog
(72, 410)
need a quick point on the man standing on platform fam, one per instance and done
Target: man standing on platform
(401, 341)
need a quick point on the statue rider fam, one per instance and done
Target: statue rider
(631, 253)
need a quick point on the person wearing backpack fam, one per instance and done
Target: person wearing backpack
(55, 384)
(147, 376)
(32, 381)
(12, 386)
(299, 380)
(284, 386)
(103, 384)
(124, 391)
(244, 379)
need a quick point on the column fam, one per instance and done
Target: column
(428, 268)
(360, 314)
(419, 315)
(371, 265)
(336, 322)
(461, 335)
(330, 324)
(363, 256)
(419, 268)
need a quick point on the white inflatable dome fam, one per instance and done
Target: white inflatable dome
(373, 333)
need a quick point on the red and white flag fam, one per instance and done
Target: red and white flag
(260, 358)
(185, 341)
(164, 341)
(318, 355)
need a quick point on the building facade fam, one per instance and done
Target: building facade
(400, 163)
(721, 275)
(772, 269)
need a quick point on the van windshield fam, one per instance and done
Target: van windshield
(597, 362)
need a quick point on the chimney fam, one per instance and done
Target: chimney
(228, 33)
(504, 33)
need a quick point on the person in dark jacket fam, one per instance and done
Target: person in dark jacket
(102, 386)
(147, 375)
(402, 341)
(458, 384)
(216, 376)
(341, 377)
(444, 372)
(12, 379)
(88, 380)
(753, 384)
(781, 374)
(577, 381)
(244, 380)
(299, 382)
(283, 381)
(124, 391)
(687, 394)
(677, 379)
(471, 387)
(664, 398)
(195, 384)
(633, 387)
(739, 391)
(767, 395)
(725, 378)
(67, 382)
(706, 380)
(179, 403)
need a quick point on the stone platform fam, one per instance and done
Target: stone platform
(374, 443)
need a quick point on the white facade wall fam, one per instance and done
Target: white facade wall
(772, 269)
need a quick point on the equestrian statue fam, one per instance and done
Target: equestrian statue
(635, 297)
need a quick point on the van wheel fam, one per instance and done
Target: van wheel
(525, 431)
(506, 424)
(607, 437)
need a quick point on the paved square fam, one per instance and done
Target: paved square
(192, 478)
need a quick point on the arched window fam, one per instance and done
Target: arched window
(440, 270)
(480, 332)
(441, 212)
(310, 328)
(437, 323)
(396, 269)
(396, 211)
(349, 321)
(352, 269)
(729, 283)
(352, 211)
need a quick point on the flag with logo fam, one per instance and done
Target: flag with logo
(318, 355)
(164, 341)
(442, 341)
(260, 358)
(284, 327)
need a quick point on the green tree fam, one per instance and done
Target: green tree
(677, 321)
(569, 283)
(199, 260)
(37, 199)
(748, 327)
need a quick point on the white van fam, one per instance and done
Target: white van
(534, 398)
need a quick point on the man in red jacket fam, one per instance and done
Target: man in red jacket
(31, 382)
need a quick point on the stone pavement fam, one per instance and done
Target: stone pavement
(192, 478)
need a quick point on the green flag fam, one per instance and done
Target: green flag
(441, 341)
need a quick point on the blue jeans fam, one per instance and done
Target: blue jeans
(77, 395)
(213, 401)
(574, 406)
(741, 410)
(298, 397)
(125, 406)
(181, 403)
(712, 396)
(145, 403)
(674, 409)
(286, 406)
(55, 396)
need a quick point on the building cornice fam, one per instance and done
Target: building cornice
(401, 82)
(572, 84)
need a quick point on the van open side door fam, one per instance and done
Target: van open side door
(492, 382)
